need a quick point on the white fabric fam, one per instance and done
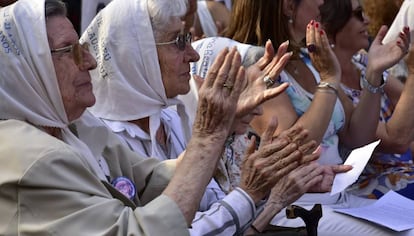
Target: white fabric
(139, 141)
(208, 48)
(405, 17)
(333, 223)
(127, 81)
(28, 85)
(206, 20)
(89, 10)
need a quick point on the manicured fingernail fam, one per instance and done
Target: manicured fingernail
(321, 32)
(317, 25)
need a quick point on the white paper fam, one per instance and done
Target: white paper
(392, 210)
(358, 159)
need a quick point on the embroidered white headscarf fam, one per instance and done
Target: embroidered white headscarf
(127, 82)
(208, 48)
(29, 90)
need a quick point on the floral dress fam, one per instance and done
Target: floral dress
(385, 171)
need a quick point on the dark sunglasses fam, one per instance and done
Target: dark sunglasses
(359, 14)
(181, 41)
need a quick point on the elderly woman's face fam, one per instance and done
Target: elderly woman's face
(175, 63)
(73, 77)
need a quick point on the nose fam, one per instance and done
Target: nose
(191, 55)
(88, 61)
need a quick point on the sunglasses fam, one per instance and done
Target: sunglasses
(75, 49)
(359, 14)
(180, 42)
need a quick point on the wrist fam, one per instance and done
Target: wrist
(328, 87)
(373, 87)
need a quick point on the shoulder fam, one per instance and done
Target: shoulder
(29, 146)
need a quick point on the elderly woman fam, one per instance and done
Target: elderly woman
(133, 98)
(391, 167)
(72, 173)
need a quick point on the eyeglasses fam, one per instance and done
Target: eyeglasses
(181, 41)
(75, 49)
(359, 14)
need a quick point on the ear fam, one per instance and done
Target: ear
(289, 8)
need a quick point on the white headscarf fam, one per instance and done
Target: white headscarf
(127, 82)
(29, 90)
(208, 48)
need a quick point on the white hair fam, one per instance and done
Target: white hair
(161, 12)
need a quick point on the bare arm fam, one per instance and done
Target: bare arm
(396, 135)
(318, 115)
(362, 126)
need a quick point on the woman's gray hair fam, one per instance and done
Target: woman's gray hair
(55, 8)
(253, 54)
(161, 12)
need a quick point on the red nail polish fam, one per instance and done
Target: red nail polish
(312, 21)
(401, 34)
(317, 25)
(398, 42)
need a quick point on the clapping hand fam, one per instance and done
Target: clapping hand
(268, 66)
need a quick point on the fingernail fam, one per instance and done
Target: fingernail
(321, 32)
(317, 25)
(286, 42)
(312, 21)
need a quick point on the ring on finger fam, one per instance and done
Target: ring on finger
(268, 81)
(311, 48)
(228, 86)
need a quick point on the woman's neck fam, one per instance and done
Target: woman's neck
(142, 123)
(350, 75)
(54, 131)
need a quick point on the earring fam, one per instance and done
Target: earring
(290, 20)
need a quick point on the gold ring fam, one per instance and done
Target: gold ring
(228, 86)
(268, 81)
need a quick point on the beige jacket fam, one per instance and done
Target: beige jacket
(47, 188)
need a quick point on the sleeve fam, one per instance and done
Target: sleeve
(212, 194)
(230, 216)
(58, 193)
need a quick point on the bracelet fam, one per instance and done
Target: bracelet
(370, 87)
(327, 87)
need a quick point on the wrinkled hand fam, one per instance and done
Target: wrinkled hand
(295, 184)
(328, 174)
(383, 56)
(219, 94)
(261, 169)
(275, 158)
(323, 58)
(255, 92)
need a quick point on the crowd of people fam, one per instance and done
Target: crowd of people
(188, 117)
